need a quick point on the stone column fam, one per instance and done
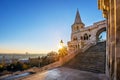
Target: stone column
(114, 18)
(111, 11)
(112, 40)
(117, 36)
(107, 49)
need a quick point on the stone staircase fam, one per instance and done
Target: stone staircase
(92, 60)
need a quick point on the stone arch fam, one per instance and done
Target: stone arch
(99, 32)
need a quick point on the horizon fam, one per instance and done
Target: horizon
(37, 26)
(23, 53)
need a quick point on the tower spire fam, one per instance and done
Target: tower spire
(78, 18)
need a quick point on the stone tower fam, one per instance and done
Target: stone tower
(78, 24)
(82, 36)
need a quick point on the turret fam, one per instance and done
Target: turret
(78, 24)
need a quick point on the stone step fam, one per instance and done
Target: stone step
(92, 60)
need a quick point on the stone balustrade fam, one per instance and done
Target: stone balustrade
(86, 47)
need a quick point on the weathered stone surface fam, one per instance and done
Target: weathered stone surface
(63, 73)
(92, 60)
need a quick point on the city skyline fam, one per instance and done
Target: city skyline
(37, 26)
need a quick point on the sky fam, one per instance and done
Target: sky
(37, 26)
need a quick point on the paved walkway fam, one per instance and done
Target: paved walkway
(64, 73)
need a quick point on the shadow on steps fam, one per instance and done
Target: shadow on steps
(92, 60)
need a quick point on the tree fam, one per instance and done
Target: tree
(18, 66)
(25, 66)
(52, 53)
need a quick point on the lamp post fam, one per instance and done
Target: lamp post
(61, 49)
(61, 52)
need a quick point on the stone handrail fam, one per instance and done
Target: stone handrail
(86, 47)
(68, 58)
(47, 67)
(72, 55)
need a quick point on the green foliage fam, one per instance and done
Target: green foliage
(14, 66)
(44, 60)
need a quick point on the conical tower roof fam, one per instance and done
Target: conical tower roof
(78, 18)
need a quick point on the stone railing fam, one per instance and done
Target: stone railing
(72, 55)
(86, 47)
(68, 57)
(61, 61)
(47, 67)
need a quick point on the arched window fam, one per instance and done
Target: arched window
(85, 36)
(77, 27)
(89, 35)
(81, 38)
(74, 38)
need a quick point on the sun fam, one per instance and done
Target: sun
(60, 47)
